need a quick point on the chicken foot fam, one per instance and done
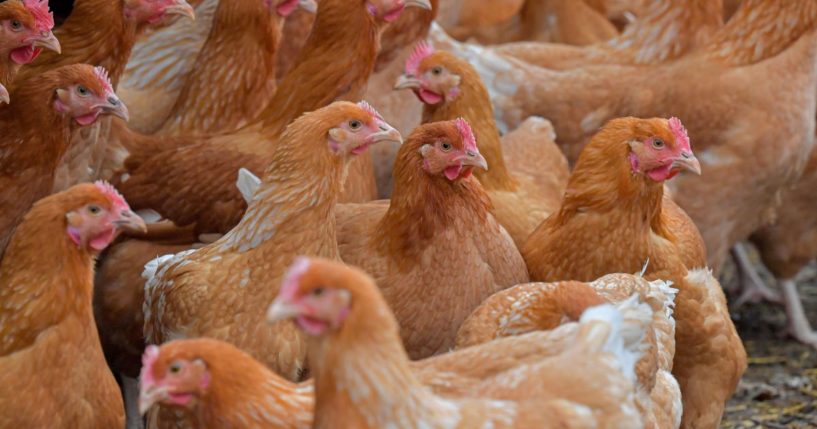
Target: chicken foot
(754, 289)
(799, 326)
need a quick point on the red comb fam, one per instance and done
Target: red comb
(102, 75)
(421, 51)
(43, 19)
(677, 129)
(148, 359)
(368, 108)
(292, 278)
(466, 134)
(112, 194)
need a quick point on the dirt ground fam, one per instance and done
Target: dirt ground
(779, 389)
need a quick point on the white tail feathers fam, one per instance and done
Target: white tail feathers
(627, 324)
(247, 184)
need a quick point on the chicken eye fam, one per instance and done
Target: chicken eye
(83, 91)
(445, 146)
(94, 210)
(355, 124)
(658, 144)
(175, 367)
(436, 71)
(318, 291)
(16, 25)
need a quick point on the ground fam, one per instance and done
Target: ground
(779, 389)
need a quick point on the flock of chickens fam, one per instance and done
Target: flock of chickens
(182, 183)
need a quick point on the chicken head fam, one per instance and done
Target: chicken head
(426, 74)
(94, 224)
(360, 129)
(155, 11)
(390, 10)
(661, 152)
(88, 97)
(450, 150)
(314, 306)
(25, 30)
(171, 377)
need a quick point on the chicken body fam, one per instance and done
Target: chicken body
(435, 249)
(537, 306)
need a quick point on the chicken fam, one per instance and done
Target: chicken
(612, 220)
(527, 173)
(35, 132)
(365, 381)
(789, 244)
(464, 18)
(288, 214)
(100, 33)
(667, 31)
(152, 178)
(25, 30)
(728, 205)
(535, 306)
(52, 371)
(217, 385)
(436, 240)
(159, 66)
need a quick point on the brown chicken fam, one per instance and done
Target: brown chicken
(52, 371)
(363, 377)
(527, 173)
(25, 30)
(35, 131)
(344, 31)
(435, 249)
(536, 306)
(611, 220)
(464, 18)
(100, 33)
(217, 385)
(288, 215)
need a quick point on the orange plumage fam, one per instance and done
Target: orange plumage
(612, 220)
(52, 370)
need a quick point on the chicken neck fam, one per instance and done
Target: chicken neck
(239, 54)
(40, 286)
(347, 34)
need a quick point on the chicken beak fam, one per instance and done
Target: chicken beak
(149, 395)
(181, 8)
(386, 134)
(407, 81)
(308, 5)
(4, 95)
(281, 310)
(473, 159)
(130, 221)
(47, 40)
(115, 106)
(422, 4)
(687, 161)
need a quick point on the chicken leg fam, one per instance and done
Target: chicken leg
(754, 289)
(799, 326)
(130, 389)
